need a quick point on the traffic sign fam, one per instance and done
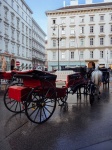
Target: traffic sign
(17, 63)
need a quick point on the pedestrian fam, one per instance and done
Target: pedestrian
(4, 63)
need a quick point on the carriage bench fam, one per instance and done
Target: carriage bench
(62, 77)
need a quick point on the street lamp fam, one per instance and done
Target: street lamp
(59, 39)
(107, 59)
(77, 48)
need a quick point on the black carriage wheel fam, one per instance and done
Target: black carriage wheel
(11, 104)
(62, 100)
(40, 104)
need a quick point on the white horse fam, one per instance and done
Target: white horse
(96, 78)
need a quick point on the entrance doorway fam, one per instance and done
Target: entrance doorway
(12, 64)
(91, 64)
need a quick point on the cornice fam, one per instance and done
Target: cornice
(90, 11)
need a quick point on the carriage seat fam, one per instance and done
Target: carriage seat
(62, 77)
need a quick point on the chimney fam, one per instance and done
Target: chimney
(74, 2)
(88, 1)
(63, 3)
(107, 0)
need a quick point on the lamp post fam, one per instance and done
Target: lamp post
(58, 47)
(59, 39)
(107, 59)
(77, 48)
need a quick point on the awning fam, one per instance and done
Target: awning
(91, 60)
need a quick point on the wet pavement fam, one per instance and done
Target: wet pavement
(80, 126)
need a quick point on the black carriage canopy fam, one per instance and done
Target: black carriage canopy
(35, 74)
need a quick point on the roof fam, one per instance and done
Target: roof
(86, 5)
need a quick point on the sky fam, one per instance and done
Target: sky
(39, 7)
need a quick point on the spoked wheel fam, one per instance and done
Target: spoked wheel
(11, 104)
(62, 96)
(40, 104)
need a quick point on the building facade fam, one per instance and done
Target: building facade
(21, 39)
(38, 46)
(80, 35)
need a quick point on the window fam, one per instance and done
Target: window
(72, 31)
(81, 19)
(63, 55)
(81, 29)
(0, 26)
(17, 9)
(17, 36)
(12, 33)
(54, 43)
(54, 55)
(63, 20)
(12, 3)
(91, 41)
(82, 42)
(30, 21)
(30, 42)
(63, 42)
(101, 41)
(101, 18)
(12, 51)
(6, 29)
(26, 30)
(91, 54)
(81, 54)
(110, 40)
(72, 20)
(72, 55)
(111, 54)
(111, 17)
(72, 42)
(110, 28)
(54, 21)
(6, 46)
(91, 18)
(6, 13)
(22, 39)
(12, 18)
(101, 28)
(22, 26)
(26, 18)
(63, 30)
(18, 23)
(54, 31)
(18, 50)
(30, 32)
(27, 52)
(23, 15)
(101, 54)
(26, 41)
(91, 29)
(23, 51)
(0, 41)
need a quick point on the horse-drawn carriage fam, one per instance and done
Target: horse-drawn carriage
(36, 93)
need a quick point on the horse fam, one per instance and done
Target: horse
(96, 78)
